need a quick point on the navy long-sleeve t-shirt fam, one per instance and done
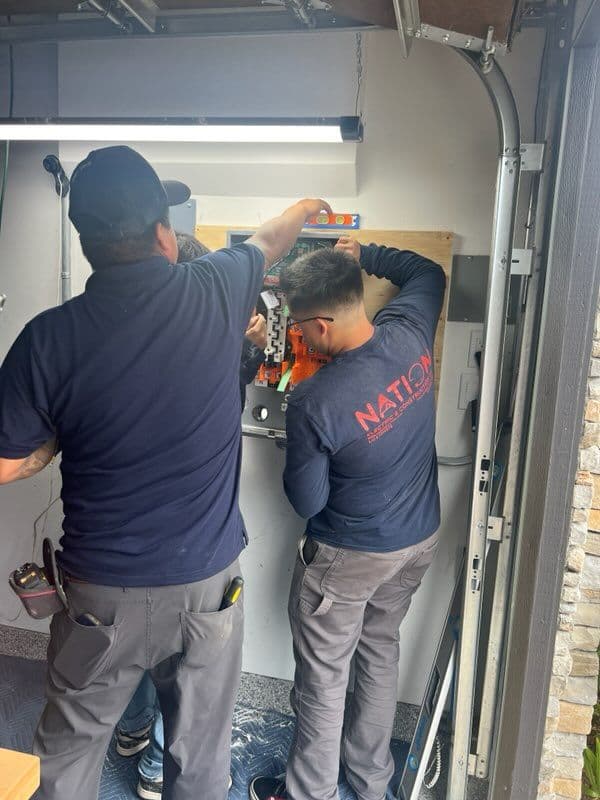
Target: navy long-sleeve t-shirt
(361, 464)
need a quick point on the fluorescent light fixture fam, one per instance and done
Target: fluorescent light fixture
(270, 131)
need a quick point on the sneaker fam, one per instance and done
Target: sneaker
(267, 789)
(152, 790)
(130, 744)
(149, 790)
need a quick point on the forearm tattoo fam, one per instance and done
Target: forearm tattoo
(37, 460)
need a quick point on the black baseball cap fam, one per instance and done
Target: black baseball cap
(115, 193)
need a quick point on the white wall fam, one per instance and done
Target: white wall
(29, 276)
(428, 162)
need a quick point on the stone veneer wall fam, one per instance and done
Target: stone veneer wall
(574, 685)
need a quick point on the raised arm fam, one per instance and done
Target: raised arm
(276, 237)
(421, 281)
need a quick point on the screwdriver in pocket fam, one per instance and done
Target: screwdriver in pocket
(232, 592)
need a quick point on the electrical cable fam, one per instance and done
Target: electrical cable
(436, 762)
(285, 379)
(13, 619)
(11, 76)
(60, 246)
(4, 180)
(11, 96)
(359, 70)
(44, 513)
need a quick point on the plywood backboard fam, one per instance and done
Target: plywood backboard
(436, 245)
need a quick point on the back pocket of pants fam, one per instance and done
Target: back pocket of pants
(81, 652)
(208, 634)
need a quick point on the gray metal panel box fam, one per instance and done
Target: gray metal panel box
(468, 290)
(183, 217)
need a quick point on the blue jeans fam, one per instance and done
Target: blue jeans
(142, 710)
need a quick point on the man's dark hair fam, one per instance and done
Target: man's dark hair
(322, 280)
(103, 251)
(189, 248)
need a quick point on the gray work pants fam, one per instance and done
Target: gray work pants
(346, 603)
(193, 652)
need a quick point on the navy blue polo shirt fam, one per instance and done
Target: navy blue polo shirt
(138, 378)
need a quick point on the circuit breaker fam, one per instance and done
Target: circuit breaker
(289, 360)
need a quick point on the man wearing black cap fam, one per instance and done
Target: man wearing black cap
(137, 379)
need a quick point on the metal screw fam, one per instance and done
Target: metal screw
(561, 43)
(445, 38)
(2, 301)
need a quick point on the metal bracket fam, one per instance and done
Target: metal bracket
(532, 156)
(144, 11)
(302, 9)
(408, 22)
(495, 527)
(472, 764)
(521, 262)
(455, 39)
(486, 61)
(116, 15)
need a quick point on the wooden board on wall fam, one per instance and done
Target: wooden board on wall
(436, 245)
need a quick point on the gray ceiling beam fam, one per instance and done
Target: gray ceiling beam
(244, 22)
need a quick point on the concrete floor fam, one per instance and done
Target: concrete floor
(257, 691)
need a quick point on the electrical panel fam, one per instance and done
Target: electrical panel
(289, 360)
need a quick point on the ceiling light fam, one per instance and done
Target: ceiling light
(317, 130)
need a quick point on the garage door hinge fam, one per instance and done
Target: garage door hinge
(532, 156)
(521, 261)
(495, 526)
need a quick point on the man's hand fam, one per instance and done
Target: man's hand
(257, 331)
(314, 206)
(346, 244)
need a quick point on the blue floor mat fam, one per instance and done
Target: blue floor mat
(260, 743)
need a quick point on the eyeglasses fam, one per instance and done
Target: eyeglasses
(309, 319)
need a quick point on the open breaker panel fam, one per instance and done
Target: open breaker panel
(289, 360)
